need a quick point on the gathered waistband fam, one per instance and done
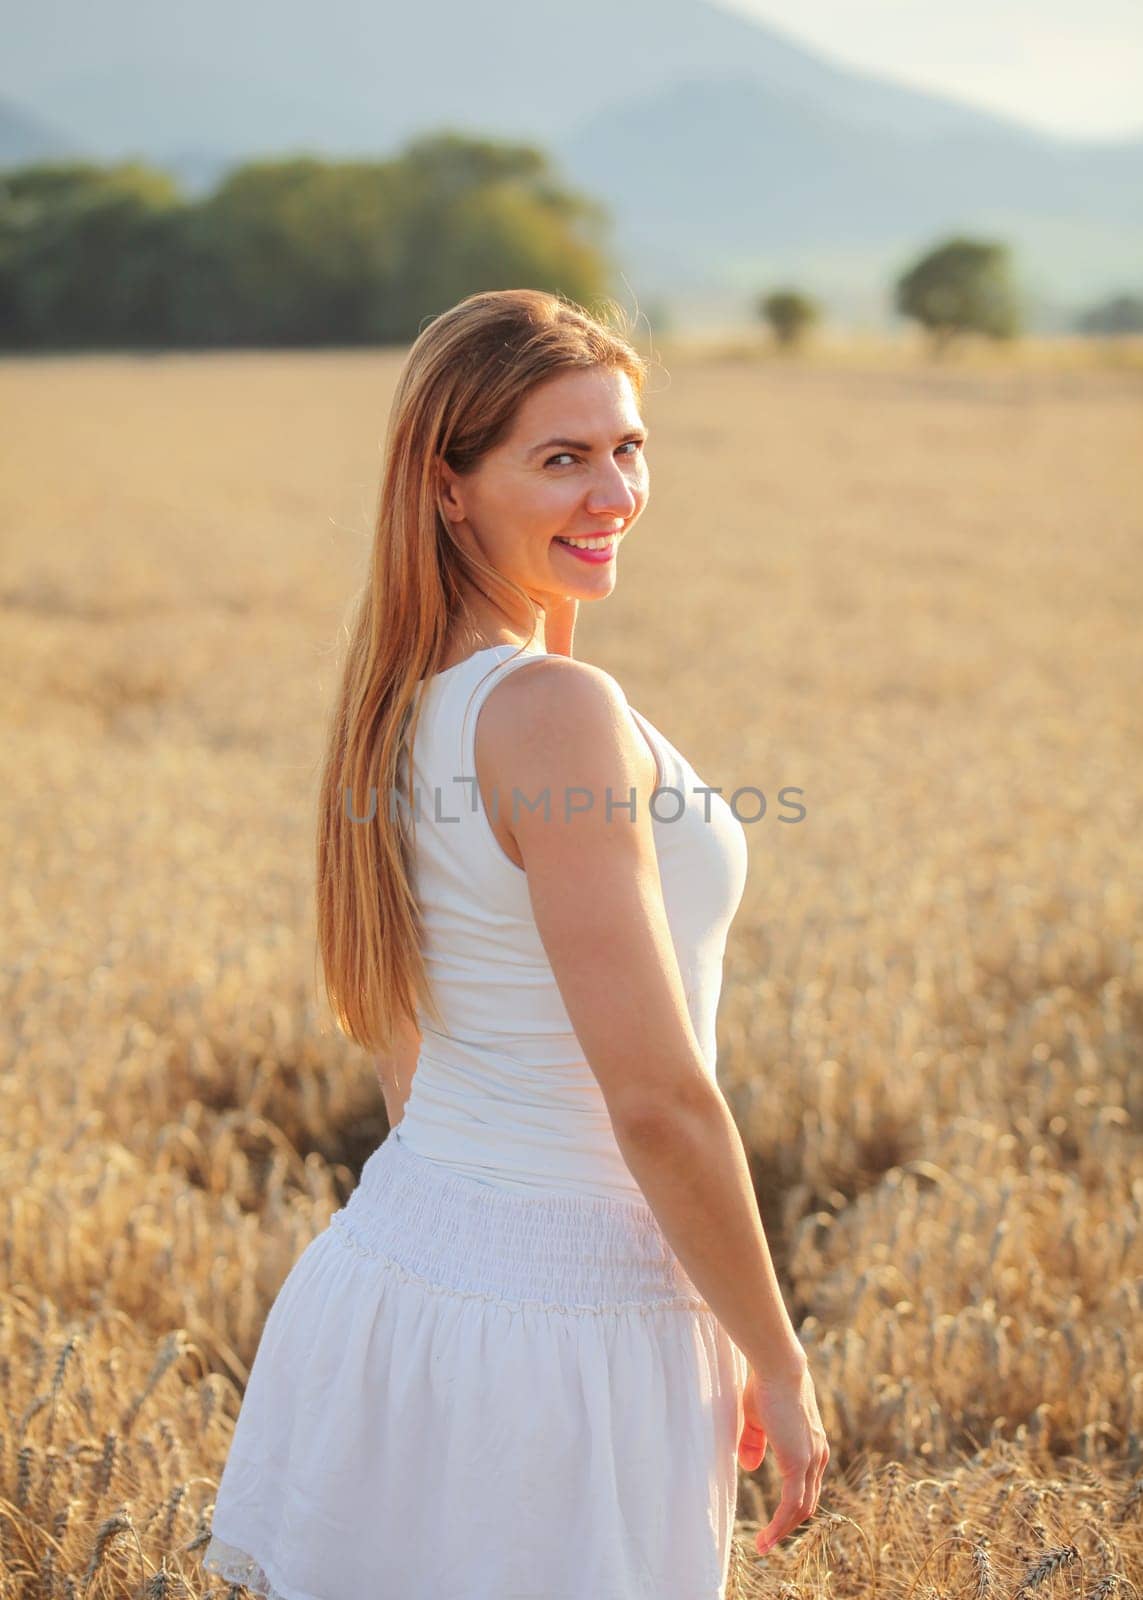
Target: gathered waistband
(566, 1252)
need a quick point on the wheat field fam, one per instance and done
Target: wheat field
(911, 592)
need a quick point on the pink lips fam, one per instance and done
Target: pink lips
(595, 556)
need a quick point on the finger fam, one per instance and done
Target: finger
(818, 1476)
(819, 1473)
(815, 1486)
(789, 1512)
(809, 1495)
(821, 1476)
(751, 1447)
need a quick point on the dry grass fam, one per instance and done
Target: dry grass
(911, 592)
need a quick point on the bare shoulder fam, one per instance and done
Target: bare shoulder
(574, 777)
(554, 680)
(554, 725)
(554, 706)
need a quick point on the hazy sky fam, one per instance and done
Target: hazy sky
(1068, 66)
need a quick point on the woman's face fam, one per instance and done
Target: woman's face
(572, 467)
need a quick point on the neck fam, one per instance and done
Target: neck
(555, 628)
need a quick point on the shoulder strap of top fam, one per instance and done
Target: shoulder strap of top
(486, 680)
(489, 676)
(661, 751)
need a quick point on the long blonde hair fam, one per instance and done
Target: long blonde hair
(457, 396)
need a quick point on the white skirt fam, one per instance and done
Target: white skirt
(463, 1392)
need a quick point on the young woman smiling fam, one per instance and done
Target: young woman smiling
(529, 1354)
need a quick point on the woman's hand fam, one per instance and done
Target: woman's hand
(783, 1412)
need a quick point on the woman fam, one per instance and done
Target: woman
(527, 1356)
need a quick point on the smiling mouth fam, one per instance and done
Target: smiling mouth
(592, 556)
(607, 540)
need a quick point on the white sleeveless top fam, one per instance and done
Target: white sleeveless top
(505, 1095)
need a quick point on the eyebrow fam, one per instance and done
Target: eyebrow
(584, 445)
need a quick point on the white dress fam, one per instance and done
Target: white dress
(490, 1377)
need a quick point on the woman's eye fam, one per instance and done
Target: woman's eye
(635, 444)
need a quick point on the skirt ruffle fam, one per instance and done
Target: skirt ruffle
(469, 1393)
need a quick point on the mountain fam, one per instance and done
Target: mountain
(354, 76)
(26, 137)
(732, 185)
(728, 151)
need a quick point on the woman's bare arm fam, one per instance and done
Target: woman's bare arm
(395, 1071)
(562, 725)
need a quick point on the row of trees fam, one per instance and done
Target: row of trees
(960, 286)
(295, 252)
(310, 252)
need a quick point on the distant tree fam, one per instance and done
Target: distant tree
(790, 314)
(306, 251)
(293, 252)
(483, 214)
(288, 252)
(85, 254)
(961, 286)
(1122, 313)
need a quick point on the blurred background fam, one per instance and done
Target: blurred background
(885, 263)
(278, 174)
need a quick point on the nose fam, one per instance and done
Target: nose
(612, 493)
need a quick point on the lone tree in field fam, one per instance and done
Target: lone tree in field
(1123, 313)
(789, 313)
(962, 286)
